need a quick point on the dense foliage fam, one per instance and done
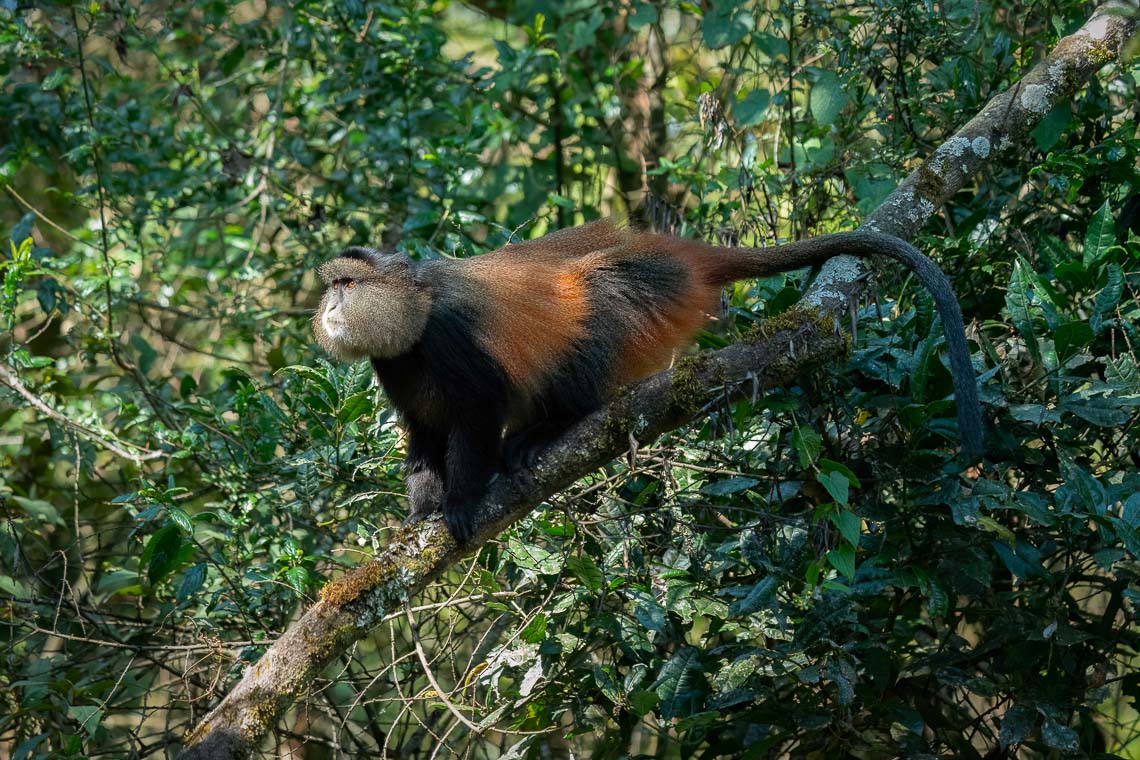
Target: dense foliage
(804, 573)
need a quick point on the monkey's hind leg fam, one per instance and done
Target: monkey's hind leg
(522, 448)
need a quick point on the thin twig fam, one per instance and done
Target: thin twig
(431, 676)
(102, 437)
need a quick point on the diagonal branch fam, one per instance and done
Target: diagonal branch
(1001, 124)
(350, 607)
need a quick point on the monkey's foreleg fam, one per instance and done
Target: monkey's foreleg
(424, 468)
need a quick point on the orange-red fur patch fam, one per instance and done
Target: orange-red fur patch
(538, 301)
(537, 308)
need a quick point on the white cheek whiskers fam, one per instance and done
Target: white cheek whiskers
(334, 327)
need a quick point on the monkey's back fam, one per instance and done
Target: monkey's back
(589, 308)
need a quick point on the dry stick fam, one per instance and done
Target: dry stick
(451, 708)
(101, 437)
(351, 606)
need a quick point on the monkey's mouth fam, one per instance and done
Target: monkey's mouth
(334, 327)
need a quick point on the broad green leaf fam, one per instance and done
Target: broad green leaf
(837, 485)
(842, 558)
(920, 364)
(192, 581)
(161, 552)
(680, 684)
(298, 578)
(758, 598)
(1059, 737)
(807, 444)
(1017, 303)
(87, 716)
(1070, 337)
(354, 407)
(586, 570)
(849, 525)
(751, 109)
(1049, 130)
(726, 24)
(647, 611)
(535, 630)
(1100, 236)
(1017, 724)
(179, 517)
(729, 486)
(827, 97)
(643, 702)
(1108, 298)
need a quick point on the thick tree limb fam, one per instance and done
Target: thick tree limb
(349, 608)
(1000, 125)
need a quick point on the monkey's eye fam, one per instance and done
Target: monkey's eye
(349, 284)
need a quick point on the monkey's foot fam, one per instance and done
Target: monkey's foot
(459, 517)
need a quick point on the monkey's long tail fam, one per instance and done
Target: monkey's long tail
(739, 263)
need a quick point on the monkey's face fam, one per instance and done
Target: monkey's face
(372, 306)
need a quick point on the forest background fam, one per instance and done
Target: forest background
(803, 571)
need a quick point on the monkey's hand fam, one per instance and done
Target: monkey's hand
(425, 494)
(458, 513)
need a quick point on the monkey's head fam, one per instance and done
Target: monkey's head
(372, 305)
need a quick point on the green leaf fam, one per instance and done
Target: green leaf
(1017, 303)
(1059, 737)
(837, 485)
(1130, 511)
(1080, 491)
(355, 407)
(1100, 236)
(727, 24)
(55, 78)
(1017, 724)
(192, 581)
(1049, 130)
(729, 486)
(535, 630)
(827, 97)
(298, 578)
(87, 716)
(849, 525)
(751, 109)
(586, 570)
(643, 702)
(680, 684)
(920, 363)
(842, 558)
(758, 598)
(644, 15)
(807, 444)
(1108, 298)
(179, 517)
(647, 611)
(532, 557)
(1070, 337)
(44, 511)
(1102, 411)
(161, 553)
(830, 465)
